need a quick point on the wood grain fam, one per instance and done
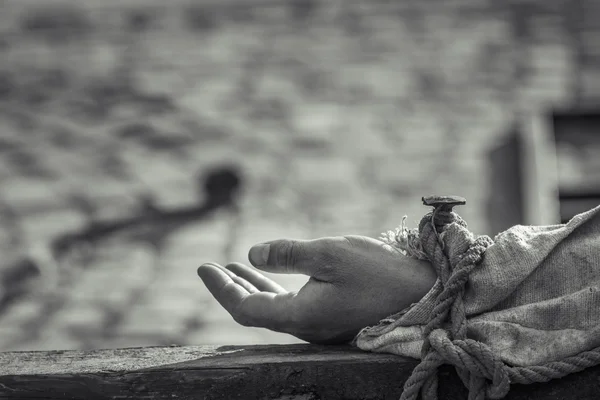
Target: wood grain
(300, 371)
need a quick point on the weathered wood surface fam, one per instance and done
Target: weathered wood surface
(239, 372)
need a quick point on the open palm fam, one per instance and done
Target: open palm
(354, 282)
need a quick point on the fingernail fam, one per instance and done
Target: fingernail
(259, 254)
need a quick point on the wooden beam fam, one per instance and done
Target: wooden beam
(300, 371)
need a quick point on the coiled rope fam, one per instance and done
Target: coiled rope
(481, 371)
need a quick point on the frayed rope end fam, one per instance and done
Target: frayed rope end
(406, 240)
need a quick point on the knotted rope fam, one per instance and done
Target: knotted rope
(446, 342)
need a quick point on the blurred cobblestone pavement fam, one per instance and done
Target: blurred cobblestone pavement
(340, 115)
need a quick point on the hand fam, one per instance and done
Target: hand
(355, 281)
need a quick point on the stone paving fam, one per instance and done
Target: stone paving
(339, 123)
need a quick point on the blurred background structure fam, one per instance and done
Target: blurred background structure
(141, 138)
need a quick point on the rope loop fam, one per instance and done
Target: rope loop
(475, 358)
(474, 362)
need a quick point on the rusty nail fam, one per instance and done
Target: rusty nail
(444, 202)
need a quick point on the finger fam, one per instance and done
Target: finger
(260, 282)
(289, 312)
(274, 311)
(263, 309)
(240, 280)
(228, 293)
(290, 256)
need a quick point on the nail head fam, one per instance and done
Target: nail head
(449, 201)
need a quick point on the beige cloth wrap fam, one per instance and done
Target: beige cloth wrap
(534, 298)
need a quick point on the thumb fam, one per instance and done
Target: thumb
(288, 256)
